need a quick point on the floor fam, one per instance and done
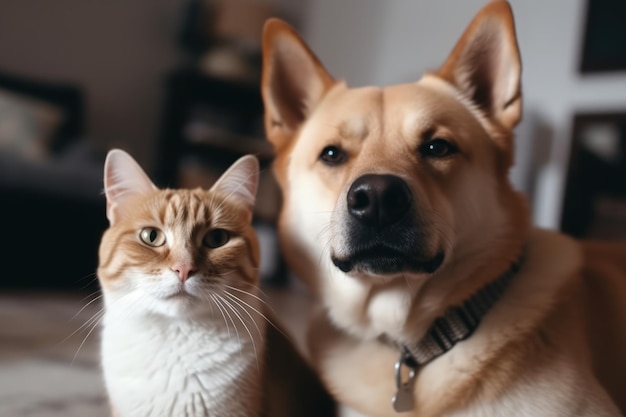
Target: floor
(45, 369)
(49, 351)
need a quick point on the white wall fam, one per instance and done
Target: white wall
(118, 51)
(347, 35)
(369, 42)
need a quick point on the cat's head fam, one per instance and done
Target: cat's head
(172, 251)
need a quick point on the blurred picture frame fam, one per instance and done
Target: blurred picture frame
(604, 37)
(595, 193)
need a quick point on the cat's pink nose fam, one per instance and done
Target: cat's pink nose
(184, 270)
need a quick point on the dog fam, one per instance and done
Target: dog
(436, 295)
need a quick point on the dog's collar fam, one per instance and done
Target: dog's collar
(457, 324)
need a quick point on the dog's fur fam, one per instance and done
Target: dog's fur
(555, 342)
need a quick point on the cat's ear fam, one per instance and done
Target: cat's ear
(240, 182)
(123, 178)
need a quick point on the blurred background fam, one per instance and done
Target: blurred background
(176, 83)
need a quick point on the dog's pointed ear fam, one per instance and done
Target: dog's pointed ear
(485, 64)
(293, 82)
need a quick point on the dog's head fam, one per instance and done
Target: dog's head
(402, 181)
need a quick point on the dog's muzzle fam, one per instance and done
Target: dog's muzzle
(382, 229)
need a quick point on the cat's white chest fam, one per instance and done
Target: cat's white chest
(171, 368)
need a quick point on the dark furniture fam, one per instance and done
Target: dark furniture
(214, 120)
(52, 213)
(595, 194)
(604, 37)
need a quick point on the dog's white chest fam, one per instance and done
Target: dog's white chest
(364, 310)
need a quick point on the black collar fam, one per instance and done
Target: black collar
(457, 324)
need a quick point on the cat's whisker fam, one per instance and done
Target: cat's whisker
(94, 320)
(223, 315)
(408, 284)
(266, 319)
(97, 322)
(245, 326)
(238, 302)
(256, 287)
(89, 295)
(92, 274)
(90, 282)
(210, 305)
(233, 272)
(221, 299)
(96, 316)
(230, 287)
(86, 305)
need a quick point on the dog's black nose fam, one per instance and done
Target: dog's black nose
(378, 200)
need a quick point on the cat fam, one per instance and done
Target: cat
(185, 331)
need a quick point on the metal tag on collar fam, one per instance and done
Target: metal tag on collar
(403, 401)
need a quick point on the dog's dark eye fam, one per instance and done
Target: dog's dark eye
(437, 148)
(332, 155)
(216, 238)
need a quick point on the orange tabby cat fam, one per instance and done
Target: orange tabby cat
(184, 331)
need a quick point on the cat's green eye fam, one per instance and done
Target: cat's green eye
(152, 236)
(216, 238)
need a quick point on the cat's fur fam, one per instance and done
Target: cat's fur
(174, 342)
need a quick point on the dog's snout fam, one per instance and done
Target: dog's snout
(378, 200)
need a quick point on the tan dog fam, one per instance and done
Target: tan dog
(397, 208)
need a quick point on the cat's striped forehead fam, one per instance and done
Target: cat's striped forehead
(184, 206)
(189, 207)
